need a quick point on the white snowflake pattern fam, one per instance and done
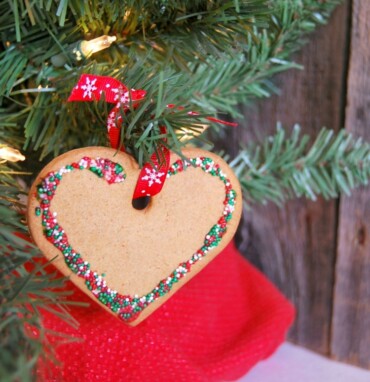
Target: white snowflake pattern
(89, 87)
(111, 120)
(121, 96)
(153, 176)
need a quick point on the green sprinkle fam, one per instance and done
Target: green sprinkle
(118, 168)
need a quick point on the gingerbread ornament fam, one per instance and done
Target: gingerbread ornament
(131, 261)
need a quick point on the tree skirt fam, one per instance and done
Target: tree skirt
(218, 326)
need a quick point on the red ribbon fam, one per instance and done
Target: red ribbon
(91, 88)
(212, 119)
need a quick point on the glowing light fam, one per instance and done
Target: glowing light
(88, 48)
(9, 154)
(186, 133)
(83, 49)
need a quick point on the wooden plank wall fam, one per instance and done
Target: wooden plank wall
(351, 313)
(318, 253)
(296, 245)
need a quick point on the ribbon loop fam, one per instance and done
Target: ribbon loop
(91, 88)
(152, 177)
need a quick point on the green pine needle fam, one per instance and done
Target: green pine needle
(25, 288)
(218, 53)
(284, 166)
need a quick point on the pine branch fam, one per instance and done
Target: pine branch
(147, 18)
(25, 288)
(224, 83)
(173, 32)
(34, 92)
(286, 167)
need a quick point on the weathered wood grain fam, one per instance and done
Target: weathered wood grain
(296, 245)
(351, 313)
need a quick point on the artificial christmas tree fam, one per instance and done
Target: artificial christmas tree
(203, 57)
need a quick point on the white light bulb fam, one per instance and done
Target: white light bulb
(83, 49)
(88, 48)
(9, 154)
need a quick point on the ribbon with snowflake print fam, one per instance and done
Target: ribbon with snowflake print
(91, 88)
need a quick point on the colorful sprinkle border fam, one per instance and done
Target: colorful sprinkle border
(127, 307)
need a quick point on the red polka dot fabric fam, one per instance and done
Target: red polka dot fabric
(218, 326)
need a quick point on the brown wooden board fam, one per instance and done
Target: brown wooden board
(295, 246)
(351, 314)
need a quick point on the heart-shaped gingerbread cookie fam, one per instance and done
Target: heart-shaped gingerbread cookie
(131, 261)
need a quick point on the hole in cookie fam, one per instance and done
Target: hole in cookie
(141, 203)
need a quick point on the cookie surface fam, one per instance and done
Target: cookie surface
(131, 261)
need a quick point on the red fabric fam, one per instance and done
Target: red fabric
(218, 326)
